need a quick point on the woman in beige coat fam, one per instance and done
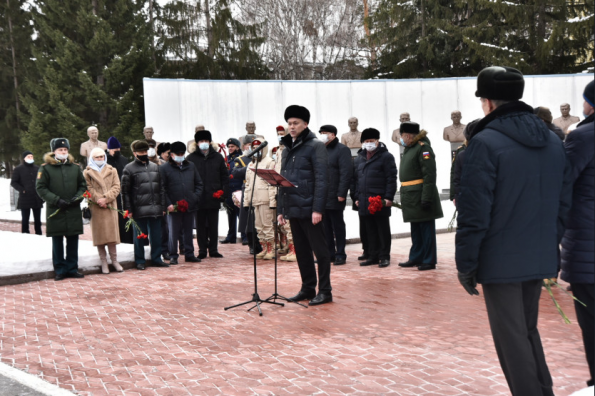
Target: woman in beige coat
(104, 185)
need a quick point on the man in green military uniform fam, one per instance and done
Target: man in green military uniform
(420, 201)
(60, 183)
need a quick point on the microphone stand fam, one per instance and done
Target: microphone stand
(255, 297)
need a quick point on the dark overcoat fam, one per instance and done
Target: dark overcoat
(340, 173)
(181, 183)
(23, 180)
(376, 176)
(213, 173)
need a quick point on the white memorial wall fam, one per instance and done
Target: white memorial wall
(174, 107)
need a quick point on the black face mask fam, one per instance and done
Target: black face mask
(143, 158)
(116, 154)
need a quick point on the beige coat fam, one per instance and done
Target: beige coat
(264, 193)
(104, 222)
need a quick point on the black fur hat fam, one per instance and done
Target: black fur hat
(409, 127)
(500, 83)
(295, 111)
(370, 133)
(59, 143)
(328, 128)
(163, 147)
(177, 147)
(202, 135)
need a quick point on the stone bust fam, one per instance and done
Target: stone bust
(250, 130)
(566, 120)
(352, 138)
(404, 117)
(454, 133)
(148, 132)
(93, 142)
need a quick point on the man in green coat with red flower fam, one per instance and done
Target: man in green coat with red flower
(60, 183)
(420, 201)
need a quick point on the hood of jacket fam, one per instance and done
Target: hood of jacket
(303, 137)
(517, 121)
(50, 159)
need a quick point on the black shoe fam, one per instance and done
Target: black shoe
(384, 263)
(59, 277)
(245, 242)
(425, 267)
(192, 259)
(369, 262)
(408, 264)
(215, 255)
(140, 267)
(321, 298)
(77, 275)
(159, 264)
(226, 241)
(363, 257)
(251, 251)
(202, 255)
(341, 261)
(166, 256)
(301, 296)
(182, 250)
(173, 261)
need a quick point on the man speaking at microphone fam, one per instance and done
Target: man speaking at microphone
(304, 163)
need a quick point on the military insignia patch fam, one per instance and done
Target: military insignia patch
(39, 175)
(426, 155)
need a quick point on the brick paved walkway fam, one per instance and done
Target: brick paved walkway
(164, 332)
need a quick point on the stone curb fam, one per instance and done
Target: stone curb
(32, 382)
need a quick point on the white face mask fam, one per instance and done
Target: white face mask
(179, 159)
(323, 137)
(204, 146)
(29, 161)
(369, 146)
(274, 157)
(151, 152)
(61, 157)
(99, 163)
(280, 137)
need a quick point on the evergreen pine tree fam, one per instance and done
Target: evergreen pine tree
(91, 57)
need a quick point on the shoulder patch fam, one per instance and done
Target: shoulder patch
(426, 155)
(44, 164)
(39, 175)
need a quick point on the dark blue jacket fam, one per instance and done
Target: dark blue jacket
(512, 199)
(340, 172)
(213, 173)
(578, 258)
(376, 176)
(234, 184)
(181, 183)
(305, 164)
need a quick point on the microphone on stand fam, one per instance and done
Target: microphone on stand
(263, 145)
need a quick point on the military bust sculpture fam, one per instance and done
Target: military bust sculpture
(93, 142)
(250, 130)
(352, 138)
(566, 120)
(454, 133)
(404, 117)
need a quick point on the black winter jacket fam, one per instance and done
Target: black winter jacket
(355, 160)
(304, 163)
(118, 163)
(234, 184)
(513, 198)
(181, 183)
(213, 173)
(376, 176)
(456, 171)
(578, 257)
(142, 191)
(340, 173)
(23, 180)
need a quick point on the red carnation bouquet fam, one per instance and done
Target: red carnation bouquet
(180, 206)
(376, 204)
(218, 194)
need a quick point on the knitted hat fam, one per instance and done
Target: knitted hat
(96, 152)
(280, 128)
(113, 143)
(328, 128)
(233, 141)
(409, 127)
(295, 111)
(139, 145)
(202, 135)
(589, 93)
(163, 147)
(370, 133)
(178, 147)
(500, 83)
(26, 153)
(57, 143)
(544, 113)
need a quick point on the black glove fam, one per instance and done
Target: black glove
(75, 202)
(272, 208)
(469, 282)
(426, 205)
(62, 204)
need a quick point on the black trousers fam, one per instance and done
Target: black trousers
(423, 242)
(25, 214)
(363, 236)
(334, 228)
(308, 238)
(513, 309)
(379, 236)
(65, 265)
(207, 227)
(584, 316)
(165, 235)
(232, 223)
(180, 226)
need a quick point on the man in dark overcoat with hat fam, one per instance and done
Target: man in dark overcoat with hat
(23, 180)
(233, 212)
(513, 201)
(304, 163)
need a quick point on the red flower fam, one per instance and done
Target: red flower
(142, 235)
(87, 195)
(182, 206)
(376, 204)
(125, 214)
(218, 194)
(231, 176)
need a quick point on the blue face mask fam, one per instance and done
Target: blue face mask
(179, 159)
(403, 143)
(204, 146)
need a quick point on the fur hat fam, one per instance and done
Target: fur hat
(177, 147)
(409, 127)
(295, 111)
(233, 141)
(202, 135)
(151, 143)
(57, 143)
(139, 145)
(163, 147)
(370, 133)
(544, 113)
(500, 83)
(113, 143)
(589, 93)
(328, 128)
(26, 153)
